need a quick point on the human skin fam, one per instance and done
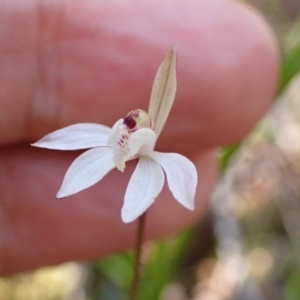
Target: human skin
(64, 62)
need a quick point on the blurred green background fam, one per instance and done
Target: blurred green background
(248, 244)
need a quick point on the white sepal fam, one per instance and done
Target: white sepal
(181, 176)
(142, 142)
(86, 170)
(144, 186)
(75, 137)
(163, 91)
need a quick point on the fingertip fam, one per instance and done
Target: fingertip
(228, 74)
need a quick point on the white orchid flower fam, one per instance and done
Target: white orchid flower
(133, 137)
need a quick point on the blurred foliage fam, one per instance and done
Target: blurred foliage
(292, 287)
(161, 260)
(290, 66)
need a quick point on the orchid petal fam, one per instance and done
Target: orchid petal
(118, 139)
(144, 186)
(86, 170)
(181, 176)
(75, 137)
(163, 91)
(121, 155)
(142, 141)
(116, 132)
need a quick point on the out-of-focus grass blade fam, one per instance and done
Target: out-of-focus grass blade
(162, 268)
(226, 155)
(118, 269)
(163, 261)
(292, 287)
(290, 67)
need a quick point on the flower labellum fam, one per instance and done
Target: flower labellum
(133, 137)
(130, 136)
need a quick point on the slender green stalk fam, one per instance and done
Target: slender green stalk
(138, 252)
